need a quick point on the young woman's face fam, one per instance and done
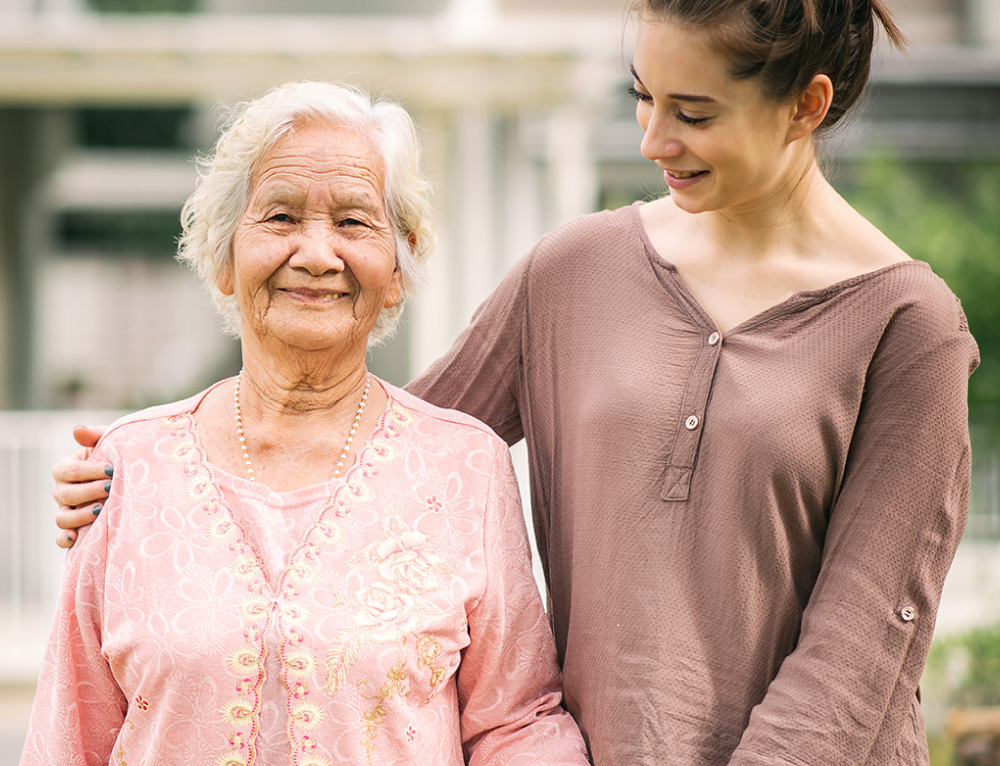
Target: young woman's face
(720, 142)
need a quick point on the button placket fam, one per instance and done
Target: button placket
(677, 477)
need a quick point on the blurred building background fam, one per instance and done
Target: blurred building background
(525, 124)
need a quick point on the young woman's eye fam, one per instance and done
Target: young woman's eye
(689, 120)
(637, 95)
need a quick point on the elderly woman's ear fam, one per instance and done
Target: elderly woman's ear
(225, 280)
(392, 296)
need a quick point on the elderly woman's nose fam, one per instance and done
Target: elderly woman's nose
(317, 250)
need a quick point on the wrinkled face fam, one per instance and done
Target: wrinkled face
(313, 256)
(720, 142)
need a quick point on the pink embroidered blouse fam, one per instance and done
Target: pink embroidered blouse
(388, 617)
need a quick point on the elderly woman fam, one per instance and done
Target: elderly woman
(304, 564)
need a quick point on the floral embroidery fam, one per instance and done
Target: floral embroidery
(234, 758)
(244, 661)
(307, 716)
(383, 450)
(388, 610)
(120, 753)
(300, 663)
(254, 609)
(302, 572)
(141, 702)
(406, 418)
(242, 713)
(395, 686)
(389, 607)
(360, 492)
(429, 655)
(236, 712)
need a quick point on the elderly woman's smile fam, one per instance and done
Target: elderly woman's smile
(366, 582)
(313, 256)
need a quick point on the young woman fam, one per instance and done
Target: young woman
(745, 410)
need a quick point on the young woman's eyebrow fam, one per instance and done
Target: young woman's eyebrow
(676, 96)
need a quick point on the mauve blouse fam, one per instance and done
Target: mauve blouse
(745, 536)
(386, 617)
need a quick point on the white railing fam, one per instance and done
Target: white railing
(984, 511)
(30, 562)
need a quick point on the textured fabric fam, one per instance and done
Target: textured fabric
(389, 617)
(745, 537)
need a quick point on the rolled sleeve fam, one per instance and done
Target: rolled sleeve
(845, 693)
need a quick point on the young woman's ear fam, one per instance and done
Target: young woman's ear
(811, 107)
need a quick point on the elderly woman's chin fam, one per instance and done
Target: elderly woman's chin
(331, 329)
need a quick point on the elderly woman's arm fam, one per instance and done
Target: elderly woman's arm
(79, 708)
(509, 684)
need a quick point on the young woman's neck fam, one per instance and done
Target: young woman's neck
(793, 214)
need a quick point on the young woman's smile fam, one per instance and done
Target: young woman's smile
(720, 142)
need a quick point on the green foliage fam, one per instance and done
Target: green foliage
(966, 667)
(948, 214)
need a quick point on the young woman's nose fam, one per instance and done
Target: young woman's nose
(659, 140)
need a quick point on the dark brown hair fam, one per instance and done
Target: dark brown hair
(785, 43)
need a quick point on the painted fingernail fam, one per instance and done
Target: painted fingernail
(96, 510)
(109, 471)
(69, 539)
(107, 486)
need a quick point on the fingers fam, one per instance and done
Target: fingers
(76, 495)
(81, 486)
(70, 519)
(77, 467)
(86, 436)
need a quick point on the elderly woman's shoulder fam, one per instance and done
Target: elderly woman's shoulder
(154, 418)
(473, 427)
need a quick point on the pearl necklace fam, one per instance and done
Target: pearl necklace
(347, 444)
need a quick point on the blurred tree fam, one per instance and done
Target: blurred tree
(948, 214)
(143, 6)
(965, 668)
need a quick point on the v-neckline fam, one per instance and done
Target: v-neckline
(326, 493)
(794, 302)
(243, 484)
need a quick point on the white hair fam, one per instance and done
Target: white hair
(211, 214)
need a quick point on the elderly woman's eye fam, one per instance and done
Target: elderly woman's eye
(352, 222)
(280, 218)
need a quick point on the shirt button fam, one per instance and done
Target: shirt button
(907, 613)
(714, 338)
(692, 422)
